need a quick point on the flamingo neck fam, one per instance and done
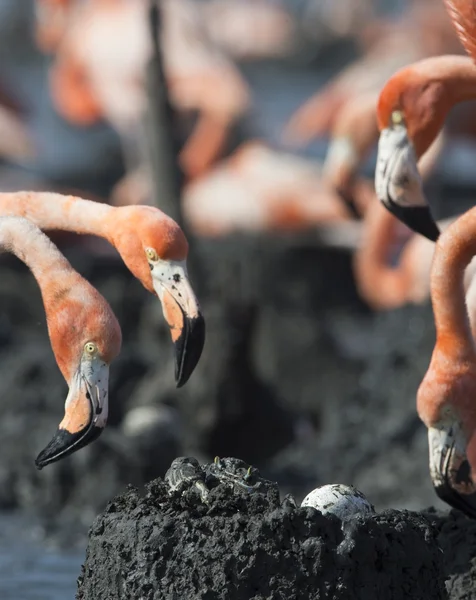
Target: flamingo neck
(383, 286)
(439, 84)
(459, 76)
(454, 251)
(23, 239)
(50, 211)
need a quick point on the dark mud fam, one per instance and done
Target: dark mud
(244, 545)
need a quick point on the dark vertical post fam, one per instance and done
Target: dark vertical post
(165, 171)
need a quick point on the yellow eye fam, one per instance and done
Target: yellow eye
(397, 117)
(90, 347)
(151, 254)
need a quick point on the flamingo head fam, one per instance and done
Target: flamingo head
(410, 113)
(446, 407)
(354, 132)
(155, 250)
(86, 337)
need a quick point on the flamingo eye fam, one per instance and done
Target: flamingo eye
(397, 117)
(151, 254)
(90, 348)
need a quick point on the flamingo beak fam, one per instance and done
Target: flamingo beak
(86, 410)
(182, 313)
(450, 469)
(398, 182)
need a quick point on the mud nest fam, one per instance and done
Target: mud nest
(240, 541)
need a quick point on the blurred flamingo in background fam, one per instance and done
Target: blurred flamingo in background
(445, 399)
(386, 282)
(95, 75)
(391, 264)
(264, 190)
(151, 245)
(249, 29)
(83, 330)
(424, 30)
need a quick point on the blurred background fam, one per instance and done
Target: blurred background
(254, 127)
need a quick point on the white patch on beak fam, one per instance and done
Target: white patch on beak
(93, 378)
(172, 276)
(397, 178)
(447, 445)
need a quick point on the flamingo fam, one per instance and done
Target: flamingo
(84, 334)
(265, 190)
(461, 13)
(382, 285)
(152, 246)
(249, 29)
(445, 399)
(411, 111)
(95, 75)
(423, 31)
(353, 134)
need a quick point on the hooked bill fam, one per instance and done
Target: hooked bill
(449, 467)
(398, 183)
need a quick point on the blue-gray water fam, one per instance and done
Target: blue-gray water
(31, 571)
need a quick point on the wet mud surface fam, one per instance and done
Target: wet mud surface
(243, 544)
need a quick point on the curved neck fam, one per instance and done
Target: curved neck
(454, 251)
(381, 285)
(51, 211)
(459, 75)
(23, 239)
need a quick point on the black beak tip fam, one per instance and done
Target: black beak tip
(466, 503)
(418, 218)
(64, 443)
(188, 348)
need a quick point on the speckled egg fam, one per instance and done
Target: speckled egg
(343, 501)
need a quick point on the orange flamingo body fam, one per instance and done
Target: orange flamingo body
(445, 399)
(83, 330)
(152, 246)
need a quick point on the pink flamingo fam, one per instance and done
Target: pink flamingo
(423, 31)
(411, 111)
(445, 397)
(84, 333)
(152, 246)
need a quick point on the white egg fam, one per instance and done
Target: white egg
(343, 501)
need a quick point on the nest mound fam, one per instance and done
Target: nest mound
(241, 542)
